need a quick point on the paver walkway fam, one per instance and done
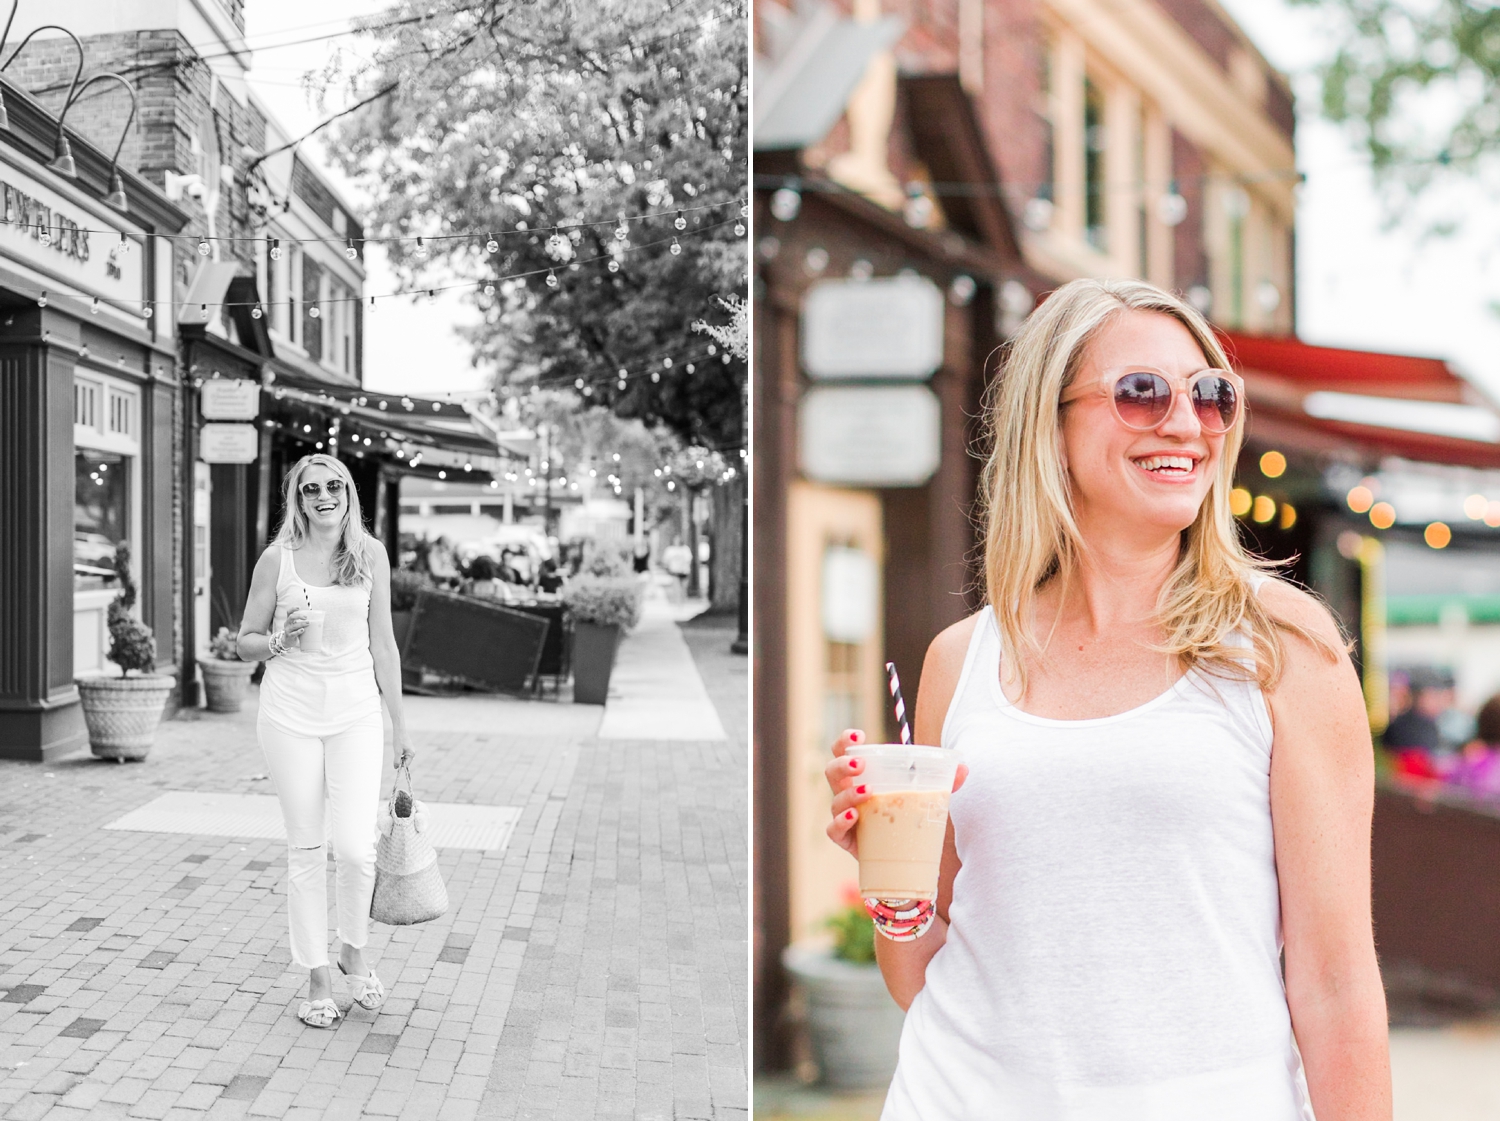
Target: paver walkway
(656, 691)
(593, 967)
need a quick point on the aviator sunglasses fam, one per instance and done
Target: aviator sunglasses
(1142, 398)
(315, 490)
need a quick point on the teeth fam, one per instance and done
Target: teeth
(1170, 462)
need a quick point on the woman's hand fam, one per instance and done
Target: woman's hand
(296, 623)
(848, 792)
(843, 775)
(402, 751)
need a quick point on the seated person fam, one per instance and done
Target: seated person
(1431, 696)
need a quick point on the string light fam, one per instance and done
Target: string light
(204, 249)
(255, 313)
(675, 247)
(94, 307)
(349, 250)
(680, 222)
(41, 301)
(519, 279)
(491, 245)
(275, 249)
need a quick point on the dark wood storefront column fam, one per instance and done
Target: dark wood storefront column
(40, 718)
(160, 562)
(232, 548)
(776, 390)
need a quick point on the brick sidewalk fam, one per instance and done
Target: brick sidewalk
(147, 975)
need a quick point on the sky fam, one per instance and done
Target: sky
(1359, 283)
(409, 347)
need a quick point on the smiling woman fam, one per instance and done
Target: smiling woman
(319, 614)
(1166, 765)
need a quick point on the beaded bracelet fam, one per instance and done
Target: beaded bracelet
(278, 644)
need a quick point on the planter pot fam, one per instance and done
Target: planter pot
(593, 661)
(853, 1024)
(122, 713)
(225, 683)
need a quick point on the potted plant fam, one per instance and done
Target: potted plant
(600, 608)
(853, 1025)
(225, 677)
(122, 712)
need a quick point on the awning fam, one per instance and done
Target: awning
(442, 433)
(424, 424)
(1293, 389)
(801, 96)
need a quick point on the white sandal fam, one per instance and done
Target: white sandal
(369, 993)
(322, 1013)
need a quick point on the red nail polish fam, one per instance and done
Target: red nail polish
(853, 764)
(859, 790)
(848, 815)
(855, 737)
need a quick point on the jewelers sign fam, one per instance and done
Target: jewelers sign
(63, 240)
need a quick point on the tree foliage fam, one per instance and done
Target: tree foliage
(1419, 82)
(542, 124)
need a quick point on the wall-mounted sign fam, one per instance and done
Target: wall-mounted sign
(228, 443)
(870, 436)
(229, 399)
(42, 228)
(873, 328)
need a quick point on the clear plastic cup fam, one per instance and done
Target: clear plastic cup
(900, 833)
(311, 641)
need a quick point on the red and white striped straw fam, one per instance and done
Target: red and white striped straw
(895, 682)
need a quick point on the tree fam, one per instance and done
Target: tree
(542, 125)
(1418, 82)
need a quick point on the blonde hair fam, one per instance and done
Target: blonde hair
(349, 565)
(1030, 533)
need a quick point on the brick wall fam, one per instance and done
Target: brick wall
(1189, 254)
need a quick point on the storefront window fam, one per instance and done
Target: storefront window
(101, 515)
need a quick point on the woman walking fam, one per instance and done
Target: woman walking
(1169, 771)
(319, 615)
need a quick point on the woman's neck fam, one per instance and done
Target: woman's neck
(323, 540)
(1114, 587)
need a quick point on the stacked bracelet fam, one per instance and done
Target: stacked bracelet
(278, 644)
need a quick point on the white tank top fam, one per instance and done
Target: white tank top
(319, 694)
(1113, 953)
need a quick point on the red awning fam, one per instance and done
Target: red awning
(1281, 371)
(1347, 371)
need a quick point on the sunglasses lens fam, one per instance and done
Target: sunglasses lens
(1142, 400)
(335, 487)
(1216, 401)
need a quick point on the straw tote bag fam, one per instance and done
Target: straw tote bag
(408, 886)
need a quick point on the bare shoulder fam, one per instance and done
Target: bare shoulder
(940, 673)
(269, 563)
(375, 554)
(951, 645)
(1293, 605)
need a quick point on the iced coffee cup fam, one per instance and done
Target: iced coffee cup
(900, 833)
(311, 641)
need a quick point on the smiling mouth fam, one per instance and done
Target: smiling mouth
(326, 508)
(1167, 466)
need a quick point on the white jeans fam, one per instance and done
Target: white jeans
(345, 769)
